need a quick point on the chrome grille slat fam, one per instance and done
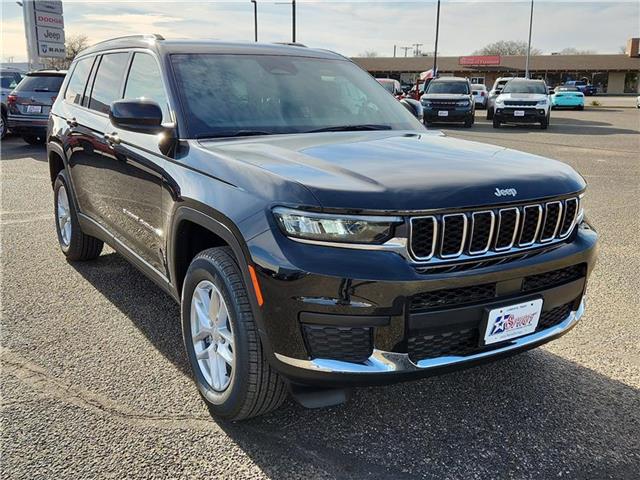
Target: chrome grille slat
(486, 233)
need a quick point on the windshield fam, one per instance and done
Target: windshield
(460, 88)
(41, 83)
(567, 89)
(525, 87)
(226, 95)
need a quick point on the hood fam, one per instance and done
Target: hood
(445, 96)
(401, 171)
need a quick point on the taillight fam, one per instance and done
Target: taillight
(482, 94)
(11, 99)
(53, 99)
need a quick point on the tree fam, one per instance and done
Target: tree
(506, 47)
(622, 49)
(73, 46)
(575, 51)
(369, 54)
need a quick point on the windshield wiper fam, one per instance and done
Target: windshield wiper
(234, 133)
(350, 128)
(41, 90)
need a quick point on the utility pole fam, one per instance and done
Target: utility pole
(406, 49)
(435, 50)
(293, 19)
(417, 50)
(526, 68)
(255, 19)
(394, 50)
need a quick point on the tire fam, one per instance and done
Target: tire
(76, 245)
(544, 124)
(489, 113)
(496, 123)
(3, 125)
(34, 139)
(468, 123)
(581, 107)
(254, 387)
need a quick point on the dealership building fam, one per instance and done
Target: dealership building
(612, 74)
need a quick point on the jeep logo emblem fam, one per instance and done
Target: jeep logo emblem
(503, 192)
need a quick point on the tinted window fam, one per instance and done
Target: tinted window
(519, 86)
(41, 83)
(78, 80)
(8, 82)
(448, 87)
(106, 87)
(145, 81)
(232, 94)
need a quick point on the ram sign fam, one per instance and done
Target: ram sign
(44, 28)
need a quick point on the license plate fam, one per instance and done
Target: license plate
(518, 113)
(512, 321)
(443, 113)
(34, 109)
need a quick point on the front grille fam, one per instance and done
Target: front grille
(467, 234)
(465, 342)
(452, 297)
(524, 103)
(349, 344)
(554, 278)
(443, 103)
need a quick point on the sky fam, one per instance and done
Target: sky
(349, 27)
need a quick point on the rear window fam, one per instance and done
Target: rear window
(108, 82)
(461, 88)
(40, 83)
(8, 82)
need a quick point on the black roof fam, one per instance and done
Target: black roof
(47, 73)
(162, 46)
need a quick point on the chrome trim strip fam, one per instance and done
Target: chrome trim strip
(397, 245)
(524, 219)
(573, 220)
(515, 230)
(433, 242)
(473, 224)
(444, 232)
(555, 231)
(331, 216)
(391, 362)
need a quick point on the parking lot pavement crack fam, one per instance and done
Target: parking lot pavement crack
(39, 379)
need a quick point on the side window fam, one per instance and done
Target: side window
(78, 81)
(106, 86)
(145, 81)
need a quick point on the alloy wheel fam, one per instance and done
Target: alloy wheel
(212, 335)
(64, 216)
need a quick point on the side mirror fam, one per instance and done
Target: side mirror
(139, 115)
(414, 107)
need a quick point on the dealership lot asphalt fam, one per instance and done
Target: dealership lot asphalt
(95, 383)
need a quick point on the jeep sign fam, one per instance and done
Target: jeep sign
(44, 29)
(46, 34)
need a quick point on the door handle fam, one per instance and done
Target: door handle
(72, 122)
(112, 138)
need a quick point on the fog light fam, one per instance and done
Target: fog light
(541, 112)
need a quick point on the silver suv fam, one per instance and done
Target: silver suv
(9, 79)
(493, 94)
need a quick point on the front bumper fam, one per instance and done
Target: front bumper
(306, 291)
(531, 115)
(431, 115)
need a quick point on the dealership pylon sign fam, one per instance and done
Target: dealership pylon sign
(44, 29)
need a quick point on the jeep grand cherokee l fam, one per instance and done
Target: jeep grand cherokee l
(316, 235)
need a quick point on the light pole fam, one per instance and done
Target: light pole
(293, 19)
(526, 68)
(255, 19)
(435, 50)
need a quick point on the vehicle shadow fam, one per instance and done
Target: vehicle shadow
(536, 415)
(14, 148)
(558, 125)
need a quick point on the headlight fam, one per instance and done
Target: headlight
(335, 228)
(426, 103)
(542, 103)
(462, 103)
(499, 103)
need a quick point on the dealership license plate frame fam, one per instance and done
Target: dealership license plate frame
(443, 113)
(34, 108)
(518, 113)
(533, 305)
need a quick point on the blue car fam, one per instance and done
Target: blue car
(567, 97)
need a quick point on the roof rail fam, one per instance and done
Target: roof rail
(141, 36)
(291, 44)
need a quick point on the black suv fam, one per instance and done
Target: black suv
(315, 234)
(449, 99)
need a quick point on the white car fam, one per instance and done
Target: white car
(523, 101)
(480, 95)
(638, 102)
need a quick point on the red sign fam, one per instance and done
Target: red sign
(478, 60)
